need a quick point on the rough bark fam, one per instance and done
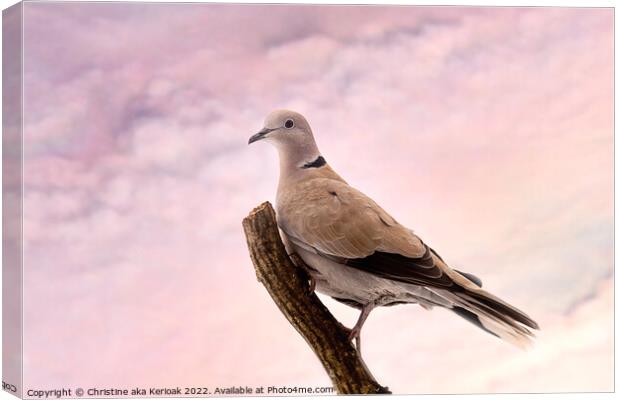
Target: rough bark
(288, 286)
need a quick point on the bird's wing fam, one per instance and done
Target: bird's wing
(340, 222)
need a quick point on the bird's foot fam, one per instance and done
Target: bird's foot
(355, 333)
(346, 330)
(302, 265)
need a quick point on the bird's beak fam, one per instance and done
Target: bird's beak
(260, 135)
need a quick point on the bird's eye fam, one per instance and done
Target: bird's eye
(289, 124)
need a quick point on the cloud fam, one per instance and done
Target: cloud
(487, 131)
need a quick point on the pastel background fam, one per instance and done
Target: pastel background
(486, 130)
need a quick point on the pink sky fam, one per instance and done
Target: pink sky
(486, 130)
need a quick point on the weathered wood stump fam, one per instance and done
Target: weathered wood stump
(288, 286)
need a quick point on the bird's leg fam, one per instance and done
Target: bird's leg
(356, 331)
(301, 264)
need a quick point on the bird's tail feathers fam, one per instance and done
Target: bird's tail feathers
(494, 316)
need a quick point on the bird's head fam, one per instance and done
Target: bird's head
(287, 130)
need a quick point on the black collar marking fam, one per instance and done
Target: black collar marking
(319, 162)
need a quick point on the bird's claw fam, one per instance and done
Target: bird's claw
(346, 330)
(355, 333)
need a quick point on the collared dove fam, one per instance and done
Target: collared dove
(359, 254)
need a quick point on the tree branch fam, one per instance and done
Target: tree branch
(288, 286)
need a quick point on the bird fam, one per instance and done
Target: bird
(358, 254)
